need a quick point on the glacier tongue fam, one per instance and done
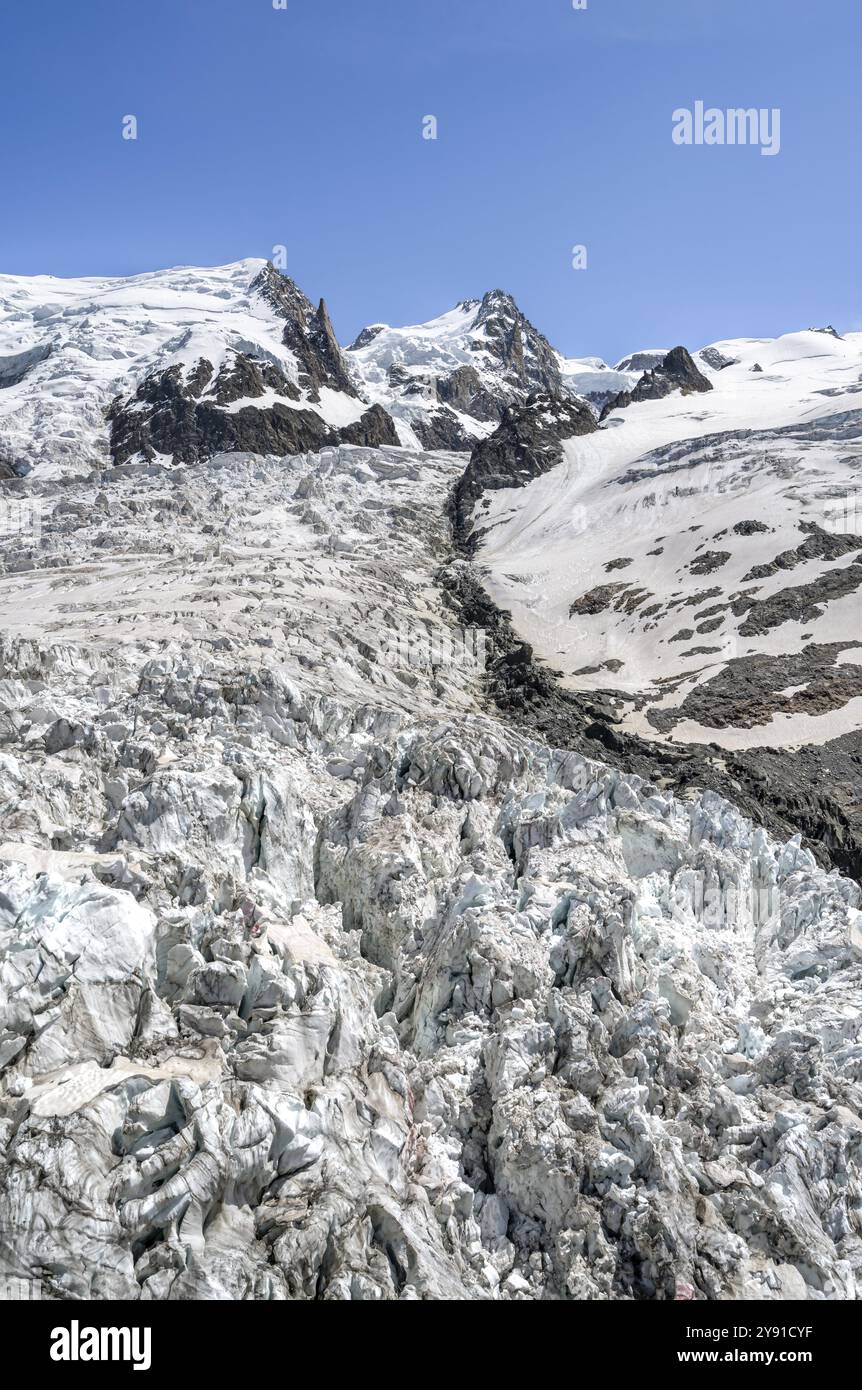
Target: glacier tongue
(319, 981)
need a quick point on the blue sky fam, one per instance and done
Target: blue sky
(303, 127)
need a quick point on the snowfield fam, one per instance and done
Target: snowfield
(660, 489)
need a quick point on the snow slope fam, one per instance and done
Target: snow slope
(650, 504)
(399, 369)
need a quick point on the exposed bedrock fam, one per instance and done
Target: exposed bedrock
(167, 418)
(527, 443)
(676, 372)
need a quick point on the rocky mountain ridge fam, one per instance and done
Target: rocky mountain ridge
(448, 382)
(179, 365)
(175, 366)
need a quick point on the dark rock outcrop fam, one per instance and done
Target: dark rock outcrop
(709, 561)
(803, 603)
(819, 545)
(372, 430)
(245, 378)
(515, 347)
(187, 430)
(528, 442)
(675, 372)
(366, 336)
(717, 360)
(185, 415)
(750, 690)
(463, 390)
(308, 334)
(167, 417)
(442, 430)
(601, 599)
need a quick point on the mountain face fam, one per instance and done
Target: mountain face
(447, 383)
(173, 366)
(179, 365)
(307, 333)
(421, 872)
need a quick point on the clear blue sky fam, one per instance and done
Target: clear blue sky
(302, 127)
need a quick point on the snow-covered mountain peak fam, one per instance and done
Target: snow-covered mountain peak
(80, 359)
(446, 382)
(70, 349)
(496, 303)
